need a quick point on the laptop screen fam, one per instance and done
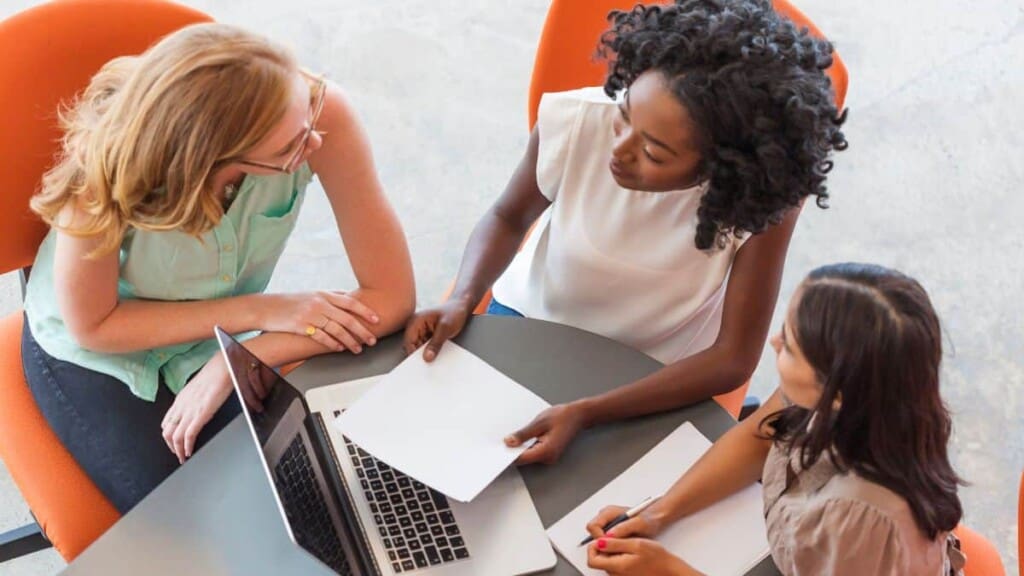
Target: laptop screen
(281, 428)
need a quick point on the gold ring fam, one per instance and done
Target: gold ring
(310, 330)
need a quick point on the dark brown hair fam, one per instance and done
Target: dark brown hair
(875, 343)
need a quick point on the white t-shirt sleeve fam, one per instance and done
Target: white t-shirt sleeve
(557, 117)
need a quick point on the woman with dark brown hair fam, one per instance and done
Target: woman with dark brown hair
(852, 447)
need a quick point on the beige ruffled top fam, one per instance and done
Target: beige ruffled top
(822, 521)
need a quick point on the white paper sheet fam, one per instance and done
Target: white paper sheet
(727, 539)
(443, 423)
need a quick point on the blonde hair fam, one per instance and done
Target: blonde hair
(141, 143)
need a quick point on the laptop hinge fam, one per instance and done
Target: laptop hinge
(342, 490)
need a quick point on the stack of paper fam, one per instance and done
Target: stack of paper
(443, 423)
(726, 539)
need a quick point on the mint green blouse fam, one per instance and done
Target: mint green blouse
(236, 257)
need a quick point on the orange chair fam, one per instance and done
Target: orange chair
(982, 557)
(50, 53)
(565, 61)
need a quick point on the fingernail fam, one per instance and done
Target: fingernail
(372, 340)
(609, 534)
(511, 440)
(601, 544)
(428, 355)
(358, 349)
(375, 318)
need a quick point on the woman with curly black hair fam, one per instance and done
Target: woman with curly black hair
(666, 201)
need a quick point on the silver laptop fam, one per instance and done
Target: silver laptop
(361, 517)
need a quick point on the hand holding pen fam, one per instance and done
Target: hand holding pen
(617, 516)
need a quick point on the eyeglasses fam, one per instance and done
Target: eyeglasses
(316, 106)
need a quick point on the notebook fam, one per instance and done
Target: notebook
(726, 539)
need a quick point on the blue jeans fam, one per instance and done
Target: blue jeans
(496, 308)
(114, 435)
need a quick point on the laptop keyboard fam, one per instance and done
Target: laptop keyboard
(415, 522)
(306, 507)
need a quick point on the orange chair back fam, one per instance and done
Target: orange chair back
(49, 54)
(565, 56)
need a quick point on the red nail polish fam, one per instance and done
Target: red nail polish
(601, 544)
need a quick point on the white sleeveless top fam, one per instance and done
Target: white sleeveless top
(617, 262)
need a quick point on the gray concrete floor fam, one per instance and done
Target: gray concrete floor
(929, 184)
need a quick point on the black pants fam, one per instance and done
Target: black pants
(114, 435)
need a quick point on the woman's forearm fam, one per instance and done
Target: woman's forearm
(135, 325)
(698, 377)
(732, 463)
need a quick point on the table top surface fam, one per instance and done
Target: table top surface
(216, 514)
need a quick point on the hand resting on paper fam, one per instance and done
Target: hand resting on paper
(636, 556)
(553, 428)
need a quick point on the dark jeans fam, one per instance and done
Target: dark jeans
(113, 435)
(496, 308)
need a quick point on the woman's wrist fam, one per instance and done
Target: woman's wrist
(587, 408)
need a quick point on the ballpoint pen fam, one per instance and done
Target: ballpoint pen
(632, 512)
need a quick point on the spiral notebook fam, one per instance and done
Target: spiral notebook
(726, 539)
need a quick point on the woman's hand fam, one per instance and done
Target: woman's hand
(197, 402)
(633, 556)
(438, 325)
(334, 319)
(553, 428)
(647, 524)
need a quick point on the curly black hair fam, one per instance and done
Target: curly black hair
(755, 85)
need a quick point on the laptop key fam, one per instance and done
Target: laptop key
(451, 530)
(391, 487)
(413, 504)
(376, 485)
(394, 531)
(407, 493)
(409, 533)
(426, 539)
(456, 542)
(404, 482)
(396, 566)
(398, 541)
(383, 532)
(447, 555)
(428, 507)
(414, 545)
(423, 497)
(418, 485)
(386, 475)
(403, 553)
(408, 565)
(392, 556)
(385, 507)
(389, 518)
(437, 531)
(401, 511)
(441, 542)
(421, 527)
(380, 496)
(440, 501)
(461, 553)
(396, 499)
(421, 560)
(404, 522)
(447, 517)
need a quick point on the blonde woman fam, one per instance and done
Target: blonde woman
(181, 177)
